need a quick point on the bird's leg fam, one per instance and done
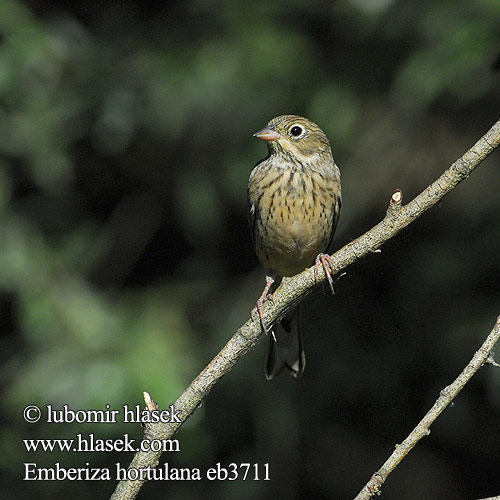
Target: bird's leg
(324, 260)
(264, 296)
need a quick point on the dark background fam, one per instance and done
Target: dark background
(126, 262)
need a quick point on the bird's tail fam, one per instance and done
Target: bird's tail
(285, 347)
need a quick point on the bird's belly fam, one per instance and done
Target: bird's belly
(294, 246)
(294, 225)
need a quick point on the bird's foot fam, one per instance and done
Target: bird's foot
(324, 260)
(265, 296)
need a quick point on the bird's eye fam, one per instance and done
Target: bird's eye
(296, 130)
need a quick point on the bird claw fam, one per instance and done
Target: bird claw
(265, 296)
(324, 260)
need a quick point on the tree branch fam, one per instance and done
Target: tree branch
(294, 289)
(372, 487)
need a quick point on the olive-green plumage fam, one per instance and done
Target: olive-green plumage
(294, 201)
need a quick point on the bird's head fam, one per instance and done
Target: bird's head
(296, 136)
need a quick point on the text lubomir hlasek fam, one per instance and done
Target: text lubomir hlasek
(133, 414)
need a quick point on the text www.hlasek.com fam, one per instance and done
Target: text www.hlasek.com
(93, 444)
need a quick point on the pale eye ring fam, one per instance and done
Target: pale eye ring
(296, 130)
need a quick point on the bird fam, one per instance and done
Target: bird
(294, 200)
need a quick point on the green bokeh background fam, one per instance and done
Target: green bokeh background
(125, 258)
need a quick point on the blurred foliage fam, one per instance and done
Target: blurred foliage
(125, 258)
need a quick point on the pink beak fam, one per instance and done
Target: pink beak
(267, 134)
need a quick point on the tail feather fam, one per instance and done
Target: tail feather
(285, 347)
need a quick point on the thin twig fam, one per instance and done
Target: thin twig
(491, 361)
(372, 487)
(295, 289)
